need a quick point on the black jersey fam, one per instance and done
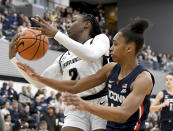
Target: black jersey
(167, 112)
(117, 93)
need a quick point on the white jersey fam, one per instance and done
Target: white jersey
(74, 68)
(86, 60)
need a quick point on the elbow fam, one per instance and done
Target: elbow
(73, 88)
(123, 119)
(72, 91)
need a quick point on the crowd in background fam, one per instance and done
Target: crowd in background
(35, 111)
(13, 22)
(151, 60)
(26, 110)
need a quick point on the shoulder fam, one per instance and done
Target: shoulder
(145, 76)
(102, 37)
(108, 68)
(144, 81)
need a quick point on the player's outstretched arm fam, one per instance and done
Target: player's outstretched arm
(156, 105)
(98, 48)
(71, 86)
(141, 87)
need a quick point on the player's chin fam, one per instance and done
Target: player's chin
(114, 58)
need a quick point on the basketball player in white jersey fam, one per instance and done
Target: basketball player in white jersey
(87, 50)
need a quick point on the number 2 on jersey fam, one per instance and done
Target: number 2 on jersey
(73, 73)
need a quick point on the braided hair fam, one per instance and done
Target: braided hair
(95, 29)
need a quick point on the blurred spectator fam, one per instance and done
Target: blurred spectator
(23, 128)
(29, 93)
(23, 96)
(28, 23)
(50, 118)
(11, 92)
(26, 118)
(3, 93)
(8, 123)
(164, 60)
(155, 61)
(5, 109)
(52, 16)
(8, 126)
(169, 65)
(59, 118)
(23, 27)
(36, 109)
(148, 49)
(51, 98)
(1, 35)
(46, 17)
(58, 12)
(20, 18)
(14, 111)
(14, 20)
(43, 104)
(2, 123)
(42, 126)
(3, 2)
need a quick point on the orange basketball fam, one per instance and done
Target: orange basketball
(31, 44)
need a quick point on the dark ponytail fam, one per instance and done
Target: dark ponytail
(134, 32)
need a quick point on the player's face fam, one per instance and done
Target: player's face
(75, 27)
(118, 49)
(169, 81)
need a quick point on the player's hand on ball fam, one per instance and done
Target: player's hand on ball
(46, 29)
(71, 99)
(28, 70)
(12, 46)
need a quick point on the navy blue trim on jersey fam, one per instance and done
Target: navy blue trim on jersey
(118, 90)
(166, 113)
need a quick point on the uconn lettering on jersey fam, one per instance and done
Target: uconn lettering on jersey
(74, 60)
(116, 97)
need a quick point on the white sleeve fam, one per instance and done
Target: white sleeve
(92, 52)
(53, 71)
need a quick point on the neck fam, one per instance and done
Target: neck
(127, 66)
(82, 37)
(170, 90)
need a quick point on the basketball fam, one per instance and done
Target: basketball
(32, 45)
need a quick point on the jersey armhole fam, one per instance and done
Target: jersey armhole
(60, 62)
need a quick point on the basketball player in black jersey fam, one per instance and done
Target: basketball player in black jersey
(129, 84)
(164, 103)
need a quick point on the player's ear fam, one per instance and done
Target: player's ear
(131, 47)
(87, 25)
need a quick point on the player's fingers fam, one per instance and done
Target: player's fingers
(42, 20)
(14, 40)
(37, 22)
(19, 63)
(35, 28)
(21, 67)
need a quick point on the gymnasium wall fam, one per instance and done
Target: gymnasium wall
(159, 12)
